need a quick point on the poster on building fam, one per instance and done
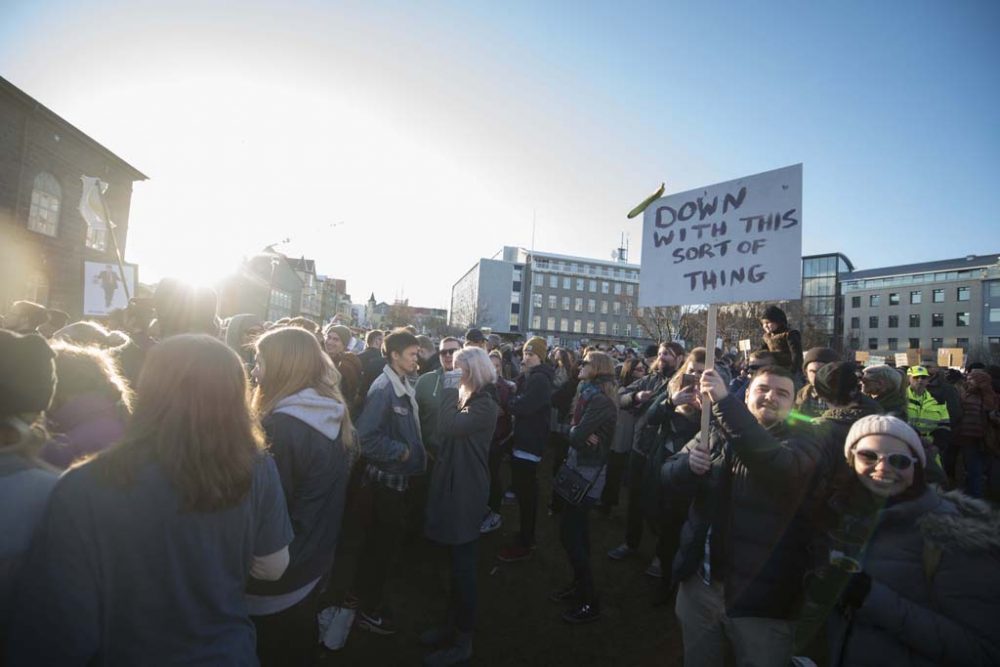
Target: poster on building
(725, 243)
(102, 287)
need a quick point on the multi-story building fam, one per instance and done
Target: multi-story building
(44, 241)
(822, 305)
(310, 303)
(335, 301)
(564, 298)
(948, 303)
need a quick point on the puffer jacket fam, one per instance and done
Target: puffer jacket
(595, 414)
(751, 498)
(917, 613)
(530, 406)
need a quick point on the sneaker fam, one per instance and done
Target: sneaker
(514, 553)
(584, 613)
(492, 522)
(567, 593)
(376, 623)
(655, 570)
(622, 551)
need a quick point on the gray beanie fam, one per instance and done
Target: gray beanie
(885, 425)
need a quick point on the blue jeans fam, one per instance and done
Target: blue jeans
(464, 593)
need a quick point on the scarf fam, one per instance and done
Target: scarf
(404, 388)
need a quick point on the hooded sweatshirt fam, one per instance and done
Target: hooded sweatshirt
(304, 432)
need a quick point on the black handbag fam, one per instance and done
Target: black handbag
(571, 485)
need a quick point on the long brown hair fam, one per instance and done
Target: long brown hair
(82, 370)
(695, 356)
(192, 418)
(604, 374)
(292, 360)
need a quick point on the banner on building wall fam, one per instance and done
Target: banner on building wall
(102, 287)
(735, 241)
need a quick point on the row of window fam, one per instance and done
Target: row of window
(588, 269)
(892, 344)
(585, 326)
(916, 296)
(909, 279)
(582, 284)
(937, 320)
(554, 302)
(46, 204)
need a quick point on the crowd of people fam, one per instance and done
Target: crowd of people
(177, 488)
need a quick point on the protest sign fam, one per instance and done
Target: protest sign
(735, 241)
(861, 357)
(744, 345)
(902, 359)
(103, 288)
(950, 357)
(874, 360)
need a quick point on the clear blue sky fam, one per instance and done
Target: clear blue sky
(436, 133)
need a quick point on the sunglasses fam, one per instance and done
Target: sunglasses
(450, 351)
(897, 461)
(584, 363)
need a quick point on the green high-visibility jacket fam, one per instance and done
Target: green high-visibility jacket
(925, 414)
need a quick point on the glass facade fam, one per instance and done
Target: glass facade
(822, 308)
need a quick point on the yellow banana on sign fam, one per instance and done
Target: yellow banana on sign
(646, 202)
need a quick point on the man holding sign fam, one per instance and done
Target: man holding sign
(742, 555)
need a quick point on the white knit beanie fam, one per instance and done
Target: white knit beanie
(885, 425)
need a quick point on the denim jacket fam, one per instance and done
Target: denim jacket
(388, 428)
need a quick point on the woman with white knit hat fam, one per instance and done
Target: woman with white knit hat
(926, 590)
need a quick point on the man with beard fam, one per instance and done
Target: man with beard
(742, 556)
(637, 397)
(885, 385)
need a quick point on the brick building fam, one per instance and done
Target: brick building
(44, 241)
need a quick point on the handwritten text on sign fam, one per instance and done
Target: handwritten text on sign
(730, 242)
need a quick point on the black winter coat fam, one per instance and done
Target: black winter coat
(530, 406)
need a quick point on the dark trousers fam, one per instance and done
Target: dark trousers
(613, 484)
(634, 512)
(496, 478)
(524, 477)
(972, 460)
(385, 512)
(464, 592)
(574, 533)
(290, 636)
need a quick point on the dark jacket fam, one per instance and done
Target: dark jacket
(808, 402)
(460, 481)
(530, 406)
(505, 424)
(786, 346)
(372, 363)
(314, 466)
(920, 613)
(388, 429)
(644, 436)
(674, 432)
(595, 414)
(751, 498)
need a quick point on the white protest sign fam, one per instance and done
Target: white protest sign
(874, 360)
(744, 345)
(734, 241)
(901, 359)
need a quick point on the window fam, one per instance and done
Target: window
(873, 343)
(565, 303)
(855, 322)
(580, 284)
(894, 299)
(616, 308)
(553, 281)
(604, 307)
(577, 326)
(614, 328)
(564, 324)
(893, 344)
(516, 286)
(628, 329)
(550, 323)
(602, 328)
(567, 283)
(894, 321)
(605, 287)
(937, 296)
(46, 195)
(536, 321)
(963, 294)
(638, 331)
(874, 300)
(937, 319)
(552, 301)
(873, 322)
(994, 314)
(537, 279)
(536, 300)
(914, 320)
(914, 343)
(628, 309)
(515, 308)
(962, 319)
(593, 285)
(916, 297)
(937, 343)
(578, 304)
(514, 320)
(962, 343)
(855, 343)
(98, 239)
(630, 289)
(855, 302)
(591, 306)
(618, 288)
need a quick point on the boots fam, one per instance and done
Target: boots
(458, 653)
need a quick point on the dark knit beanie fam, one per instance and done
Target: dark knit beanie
(836, 382)
(775, 314)
(27, 381)
(343, 333)
(651, 351)
(824, 355)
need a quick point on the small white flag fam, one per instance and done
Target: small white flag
(91, 207)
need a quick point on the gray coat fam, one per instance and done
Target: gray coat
(951, 617)
(460, 481)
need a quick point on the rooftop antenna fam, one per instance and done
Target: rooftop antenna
(532, 231)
